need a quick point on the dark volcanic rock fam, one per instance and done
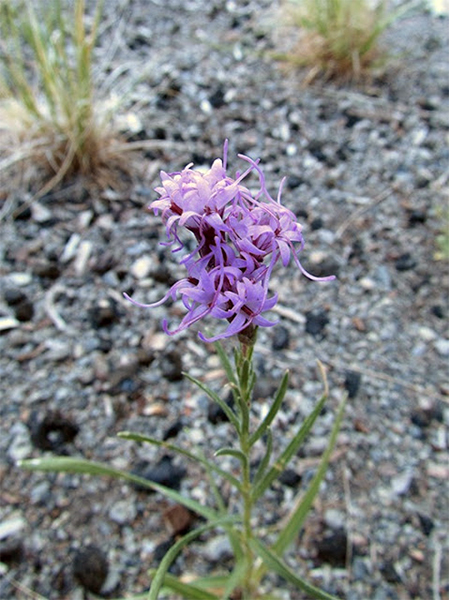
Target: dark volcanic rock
(53, 431)
(164, 472)
(90, 568)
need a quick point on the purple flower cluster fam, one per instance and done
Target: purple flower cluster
(240, 236)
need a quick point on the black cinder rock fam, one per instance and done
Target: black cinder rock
(216, 99)
(281, 338)
(332, 548)
(352, 383)
(417, 217)
(316, 321)
(405, 262)
(172, 430)
(161, 550)
(293, 182)
(164, 472)
(24, 311)
(316, 224)
(23, 212)
(215, 414)
(426, 523)
(52, 432)
(438, 311)
(423, 416)
(90, 568)
(171, 366)
(103, 313)
(14, 296)
(290, 478)
(389, 572)
(11, 551)
(163, 275)
(47, 269)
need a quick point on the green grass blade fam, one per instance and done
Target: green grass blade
(299, 513)
(274, 563)
(87, 467)
(279, 397)
(291, 449)
(173, 552)
(137, 437)
(216, 398)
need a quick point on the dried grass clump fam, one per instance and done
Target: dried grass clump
(53, 126)
(338, 39)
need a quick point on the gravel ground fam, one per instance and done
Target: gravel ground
(366, 168)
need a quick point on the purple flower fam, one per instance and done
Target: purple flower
(240, 236)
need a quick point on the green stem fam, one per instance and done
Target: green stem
(245, 384)
(247, 535)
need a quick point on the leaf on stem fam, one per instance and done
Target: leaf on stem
(233, 452)
(216, 398)
(226, 363)
(173, 552)
(274, 563)
(137, 437)
(187, 590)
(291, 449)
(299, 512)
(82, 466)
(279, 397)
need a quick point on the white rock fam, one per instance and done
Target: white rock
(40, 213)
(20, 446)
(20, 279)
(442, 347)
(82, 257)
(141, 267)
(70, 248)
(7, 323)
(122, 512)
(427, 334)
(11, 526)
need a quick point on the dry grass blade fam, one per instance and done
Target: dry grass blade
(49, 112)
(338, 38)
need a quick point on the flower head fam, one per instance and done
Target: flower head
(240, 236)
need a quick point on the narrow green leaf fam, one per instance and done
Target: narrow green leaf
(173, 552)
(216, 398)
(226, 363)
(233, 452)
(291, 449)
(299, 513)
(279, 397)
(274, 563)
(213, 584)
(137, 437)
(82, 466)
(188, 590)
(234, 579)
(142, 596)
(209, 466)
